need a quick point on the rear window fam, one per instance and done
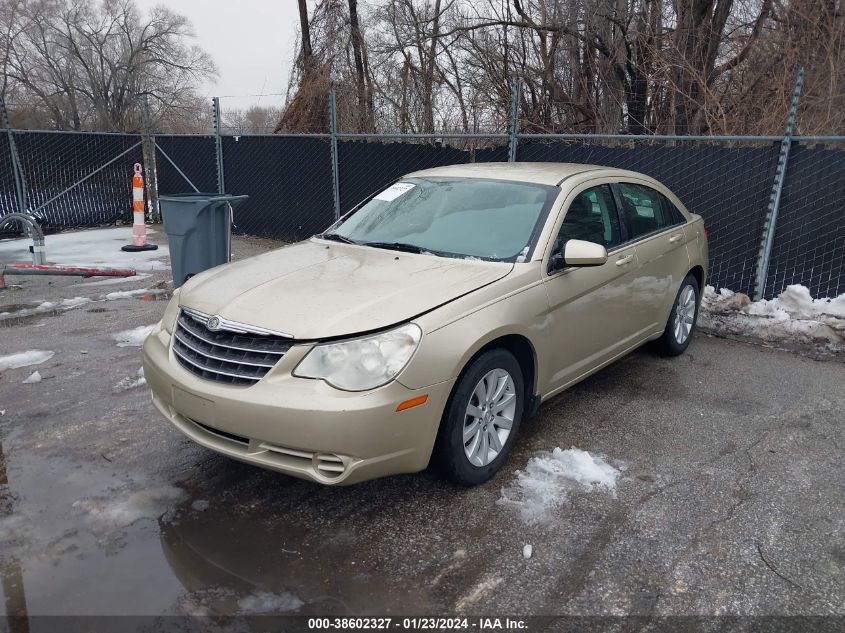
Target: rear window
(646, 210)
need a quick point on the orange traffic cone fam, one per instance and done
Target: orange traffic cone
(139, 228)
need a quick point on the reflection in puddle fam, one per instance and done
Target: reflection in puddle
(27, 319)
(80, 539)
(248, 564)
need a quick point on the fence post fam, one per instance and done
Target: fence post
(770, 224)
(335, 165)
(148, 151)
(17, 170)
(218, 147)
(516, 92)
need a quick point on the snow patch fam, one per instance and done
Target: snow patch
(126, 294)
(266, 602)
(34, 377)
(97, 247)
(134, 337)
(69, 304)
(548, 479)
(792, 317)
(25, 359)
(130, 382)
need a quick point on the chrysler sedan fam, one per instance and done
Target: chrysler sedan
(429, 322)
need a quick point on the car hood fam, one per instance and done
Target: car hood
(316, 290)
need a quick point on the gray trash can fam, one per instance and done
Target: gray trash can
(199, 231)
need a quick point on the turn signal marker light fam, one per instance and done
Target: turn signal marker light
(413, 402)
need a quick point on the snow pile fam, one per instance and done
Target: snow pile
(97, 247)
(548, 479)
(134, 337)
(25, 359)
(130, 382)
(34, 377)
(792, 317)
(107, 515)
(266, 602)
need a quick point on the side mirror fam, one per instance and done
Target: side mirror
(577, 253)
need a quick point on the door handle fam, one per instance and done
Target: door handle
(676, 237)
(625, 260)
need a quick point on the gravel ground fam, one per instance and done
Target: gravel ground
(729, 498)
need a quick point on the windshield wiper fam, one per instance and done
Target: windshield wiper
(335, 237)
(396, 246)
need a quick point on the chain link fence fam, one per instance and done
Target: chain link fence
(298, 184)
(809, 239)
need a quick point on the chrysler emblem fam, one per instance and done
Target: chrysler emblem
(213, 323)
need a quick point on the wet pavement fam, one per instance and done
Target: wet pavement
(730, 499)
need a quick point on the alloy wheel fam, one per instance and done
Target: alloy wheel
(489, 417)
(684, 314)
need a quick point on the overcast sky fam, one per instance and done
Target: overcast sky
(251, 42)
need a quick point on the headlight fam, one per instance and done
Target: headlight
(362, 363)
(171, 312)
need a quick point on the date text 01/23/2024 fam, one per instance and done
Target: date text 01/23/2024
(418, 624)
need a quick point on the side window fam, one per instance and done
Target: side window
(646, 210)
(592, 217)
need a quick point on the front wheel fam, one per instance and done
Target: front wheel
(678, 333)
(481, 419)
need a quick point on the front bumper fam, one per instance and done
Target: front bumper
(297, 426)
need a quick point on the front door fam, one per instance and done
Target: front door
(589, 322)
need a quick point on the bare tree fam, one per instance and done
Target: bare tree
(633, 66)
(359, 51)
(88, 65)
(256, 119)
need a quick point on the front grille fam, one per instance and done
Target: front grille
(225, 356)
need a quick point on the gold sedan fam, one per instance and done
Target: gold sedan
(429, 321)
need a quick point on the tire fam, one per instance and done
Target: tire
(676, 338)
(495, 369)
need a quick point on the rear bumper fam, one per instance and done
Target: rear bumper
(297, 426)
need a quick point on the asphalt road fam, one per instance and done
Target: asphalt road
(730, 498)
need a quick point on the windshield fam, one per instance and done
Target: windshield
(487, 219)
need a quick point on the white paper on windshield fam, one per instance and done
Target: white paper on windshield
(394, 191)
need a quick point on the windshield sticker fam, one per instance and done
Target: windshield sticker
(394, 191)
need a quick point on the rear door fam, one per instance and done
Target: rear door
(656, 228)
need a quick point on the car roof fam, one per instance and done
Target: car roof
(541, 173)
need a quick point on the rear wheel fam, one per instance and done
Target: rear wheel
(681, 325)
(481, 419)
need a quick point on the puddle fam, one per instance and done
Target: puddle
(102, 541)
(15, 321)
(53, 536)
(17, 307)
